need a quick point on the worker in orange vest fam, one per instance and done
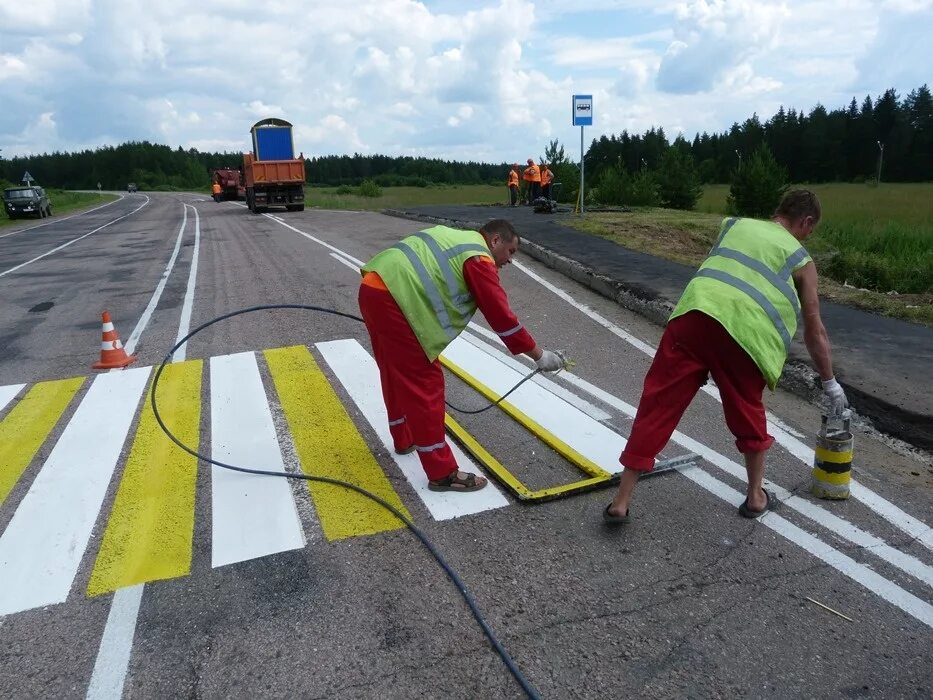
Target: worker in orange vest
(215, 191)
(533, 177)
(513, 185)
(547, 177)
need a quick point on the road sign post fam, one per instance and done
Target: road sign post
(582, 116)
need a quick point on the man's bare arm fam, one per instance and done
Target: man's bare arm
(814, 333)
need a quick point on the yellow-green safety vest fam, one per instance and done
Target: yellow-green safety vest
(746, 284)
(424, 274)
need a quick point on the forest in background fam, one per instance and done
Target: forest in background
(841, 145)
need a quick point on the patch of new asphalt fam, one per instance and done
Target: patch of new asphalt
(883, 363)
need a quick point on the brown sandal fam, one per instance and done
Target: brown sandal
(454, 482)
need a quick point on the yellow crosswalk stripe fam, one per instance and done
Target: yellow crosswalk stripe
(150, 531)
(329, 444)
(27, 426)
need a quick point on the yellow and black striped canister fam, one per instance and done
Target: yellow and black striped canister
(832, 461)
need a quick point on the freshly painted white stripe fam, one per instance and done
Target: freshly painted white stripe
(251, 515)
(316, 240)
(73, 240)
(160, 287)
(590, 438)
(512, 361)
(42, 547)
(349, 263)
(8, 393)
(877, 584)
(188, 306)
(912, 526)
(359, 375)
(835, 524)
(113, 657)
(64, 218)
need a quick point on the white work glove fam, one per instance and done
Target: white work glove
(834, 398)
(550, 361)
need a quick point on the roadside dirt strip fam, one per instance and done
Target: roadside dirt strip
(185, 579)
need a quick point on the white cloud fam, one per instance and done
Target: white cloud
(481, 80)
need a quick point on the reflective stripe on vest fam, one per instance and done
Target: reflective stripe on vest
(424, 274)
(746, 284)
(443, 257)
(430, 289)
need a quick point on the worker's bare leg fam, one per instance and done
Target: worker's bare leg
(623, 497)
(755, 466)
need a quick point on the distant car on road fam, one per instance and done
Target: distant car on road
(131, 187)
(26, 201)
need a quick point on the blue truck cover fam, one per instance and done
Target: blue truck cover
(272, 140)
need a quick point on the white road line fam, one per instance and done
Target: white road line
(8, 393)
(312, 238)
(252, 516)
(73, 240)
(64, 218)
(895, 515)
(116, 644)
(840, 527)
(359, 375)
(512, 361)
(556, 389)
(590, 438)
(130, 344)
(188, 306)
(42, 547)
(113, 657)
(861, 574)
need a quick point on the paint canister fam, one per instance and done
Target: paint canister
(832, 459)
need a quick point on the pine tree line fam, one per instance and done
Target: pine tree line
(822, 146)
(844, 145)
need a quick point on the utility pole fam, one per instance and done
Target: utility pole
(880, 160)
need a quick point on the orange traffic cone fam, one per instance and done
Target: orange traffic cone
(112, 354)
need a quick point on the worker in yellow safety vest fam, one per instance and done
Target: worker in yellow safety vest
(416, 298)
(735, 321)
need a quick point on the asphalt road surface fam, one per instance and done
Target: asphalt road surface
(126, 569)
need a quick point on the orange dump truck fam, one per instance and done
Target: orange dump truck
(230, 181)
(273, 176)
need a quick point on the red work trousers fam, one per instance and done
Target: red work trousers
(412, 387)
(694, 345)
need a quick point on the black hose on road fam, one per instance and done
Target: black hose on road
(504, 655)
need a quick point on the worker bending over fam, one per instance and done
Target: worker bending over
(532, 176)
(416, 297)
(547, 177)
(735, 321)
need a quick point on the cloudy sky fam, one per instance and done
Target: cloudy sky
(487, 80)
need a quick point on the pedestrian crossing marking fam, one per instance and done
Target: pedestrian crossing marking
(149, 534)
(329, 444)
(42, 547)
(251, 516)
(27, 426)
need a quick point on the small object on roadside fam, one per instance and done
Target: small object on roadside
(832, 458)
(826, 607)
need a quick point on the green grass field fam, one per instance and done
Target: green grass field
(394, 197)
(63, 202)
(879, 238)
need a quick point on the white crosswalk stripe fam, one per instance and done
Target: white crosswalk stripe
(251, 516)
(42, 547)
